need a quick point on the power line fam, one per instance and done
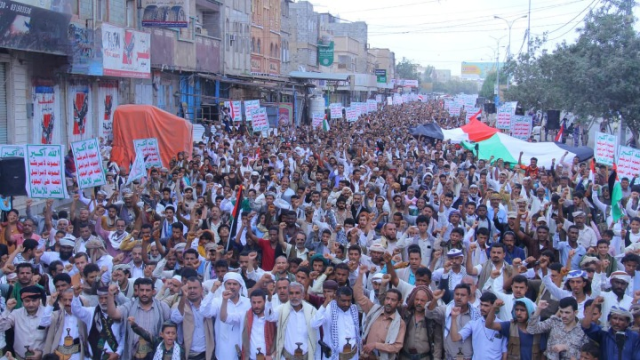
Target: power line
(574, 26)
(575, 17)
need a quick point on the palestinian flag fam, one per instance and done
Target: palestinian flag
(325, 124)
(241, 204)
(615, 189)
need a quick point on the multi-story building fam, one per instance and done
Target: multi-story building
(237, 37)
(304, 34)
(63, 76)
(265, 37)
(285, 37)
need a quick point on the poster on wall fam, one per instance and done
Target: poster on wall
(47, 124)
(86, 155)
(285, 114)
(79, 106)
(44, 166)
(126, 53)
(165, 13)
(107, 104)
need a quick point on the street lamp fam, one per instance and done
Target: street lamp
(509, 25)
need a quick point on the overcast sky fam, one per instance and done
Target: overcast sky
(444, 33)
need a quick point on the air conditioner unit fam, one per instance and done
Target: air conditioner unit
(198, 29)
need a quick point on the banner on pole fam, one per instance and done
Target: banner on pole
(86, 154)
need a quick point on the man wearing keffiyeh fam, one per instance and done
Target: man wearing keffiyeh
(339, 320)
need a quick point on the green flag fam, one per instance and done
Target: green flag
(616, 195)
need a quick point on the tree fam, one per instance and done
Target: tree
(595, 76)
(406, 69)
(489, 83)
(427, 75)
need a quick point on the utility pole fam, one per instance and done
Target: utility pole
(529, 30)
(497, 85)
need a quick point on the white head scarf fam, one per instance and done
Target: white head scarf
(237, 277)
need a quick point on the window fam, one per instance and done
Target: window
(253, 44)
(131, 14)
(259, 47)
(271, 50)
(103, 10)
(276, 52)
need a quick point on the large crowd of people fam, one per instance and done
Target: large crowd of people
(362, 242)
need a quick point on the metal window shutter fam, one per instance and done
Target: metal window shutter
(3, 104)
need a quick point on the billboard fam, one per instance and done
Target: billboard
(165, 13)
(477, 70)
(125, 53)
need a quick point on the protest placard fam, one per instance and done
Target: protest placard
(521, 127)
(336, 110)
(249, 107)
(44, 166)
(372, 105)
(260, 121)
(317, 118)
(352, 114)
(505, 112)
(11, 151)
(605, 148)
(235, 109)
(86, 154)
(150, 151)
(628, 162)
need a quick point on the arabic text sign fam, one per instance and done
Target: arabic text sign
(317, 118)
(260, 122)
(11, 151)
(336, 110)
(470, 112)
(352, 114)
(605, 148)
(150, 150)
(86, 154)
(505, 112)
(362, 107)
(372, 105)
(521, 127)
(44, 166)
(235, 109)
(628, 162)
(249, 107)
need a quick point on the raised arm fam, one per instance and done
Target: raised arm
(112, 310)
(358, 291)
(490, 322)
